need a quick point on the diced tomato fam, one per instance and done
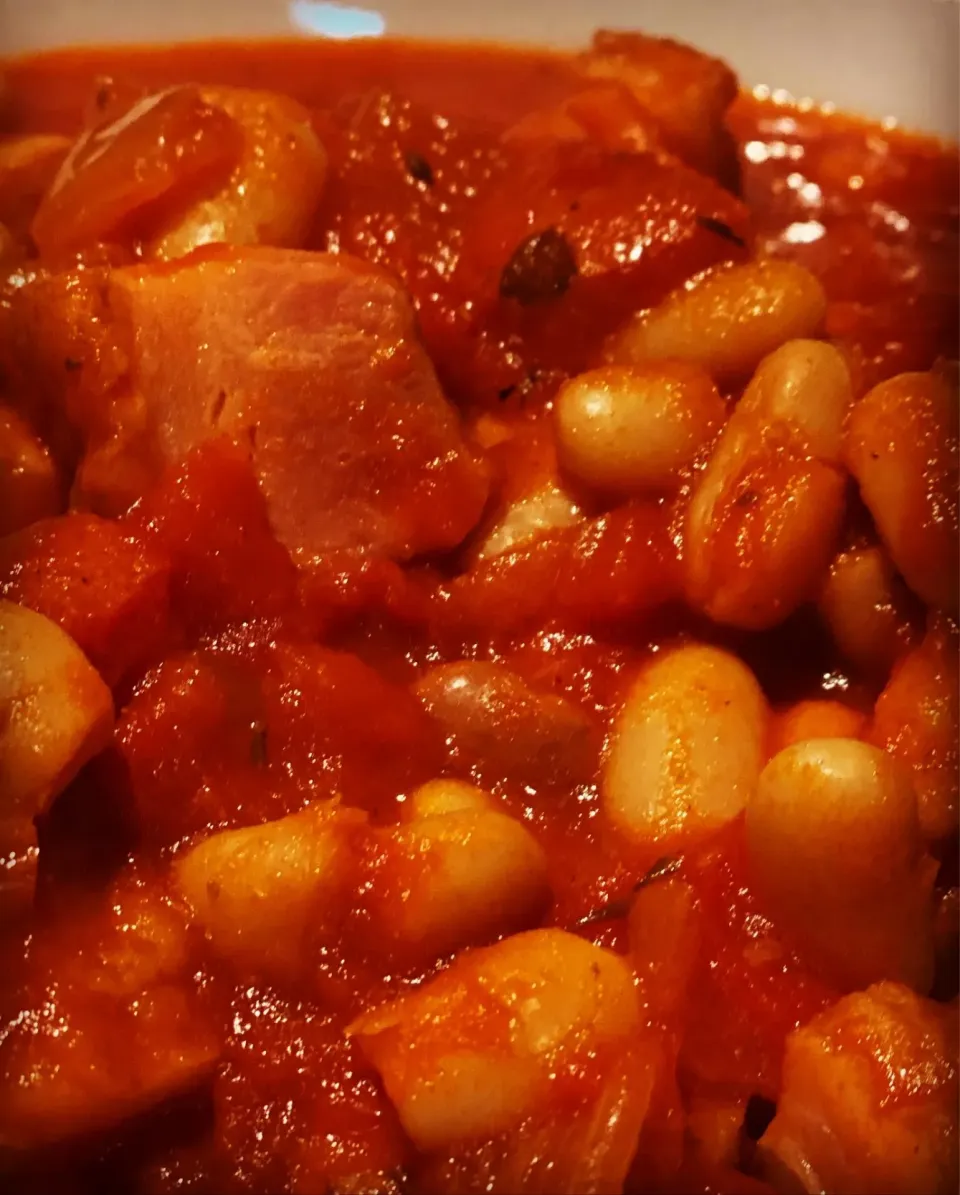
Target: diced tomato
(661, 1144)
(216, 738)
(402, 175)
(622, 566)
(617, 567)
(92, 1059)
(188, 748)
(402, 179)
(624, 230)
(608, 114)
(686, 92)
(445, 206)
(340, 588)
(322, 1119)
(176, 141)
(328, 715)
(107, 587)
(209, 515)
(748, 990)
(699, 1179)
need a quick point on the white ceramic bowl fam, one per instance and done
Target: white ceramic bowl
(882, 58)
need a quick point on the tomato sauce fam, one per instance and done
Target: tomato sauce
(872, 211)
(224, 691)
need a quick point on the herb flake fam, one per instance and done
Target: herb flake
(541, 268)
(419, 168)
(712, 224)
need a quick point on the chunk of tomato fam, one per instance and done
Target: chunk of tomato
(748, 990)
(619, 566)
(104, 584)
(209, 515)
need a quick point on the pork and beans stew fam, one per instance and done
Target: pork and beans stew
(478, 644)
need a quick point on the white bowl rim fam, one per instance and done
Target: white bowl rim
(879, 58)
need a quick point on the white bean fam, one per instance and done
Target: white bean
(901, 446)
(835, 850)
(477, 1049)
(263, 893)
(802, 392)
(728, 319)
(549, 508)
(492, 716)
(687, 747)
(866, 608)
(454, 878)
(55, 712)
(765, 516)
(628, 429)
(447, 796)
(272, 194)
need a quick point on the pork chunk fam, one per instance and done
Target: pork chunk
(310, 362)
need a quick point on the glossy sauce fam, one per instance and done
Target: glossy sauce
(414, 137)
